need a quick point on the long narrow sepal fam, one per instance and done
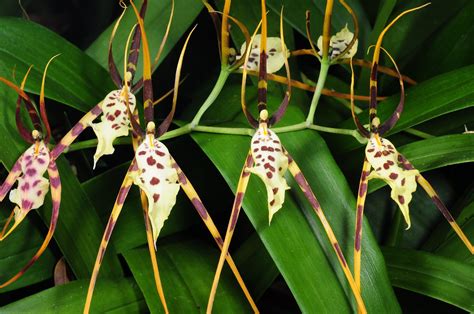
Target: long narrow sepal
(166, 123)
(361, 196)
(239, 197)
(278, 114)
(13, 175)
(151, 250)
(206, 218)
(390, 122)
(76, 130)
(363, 131)
(42, 105)
(113, 71)
(303, 184)
(56, 200)
(122, 195)
(374, 121)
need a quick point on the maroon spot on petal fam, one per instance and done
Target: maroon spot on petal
(150, 161)
(36, 183)
(159, 153)
(40, 161)
(77, 129)
(401, 199)
(256, 149)
(159, 166)
(391, 163)
(277, 150)
(122, 195)
(271, 158)
(110, 104)
(272, 202)
(276, 142)
(393, 176)
(385, 153)
(39, 193)
(29, 163)
(264, 148)
(370, 150)
(269, 175)
(256, 142)
(386, 166)
(275, 190)
(26, 204)
(110, 227)
(141, 153)
(25, 187)
(117, 113)
(27, 157)
(403, 182)
(362, 189)
(269, 167)
(156, 197)
(199, 207)
(378, 154)
(30, 172)
(110, 118)
(96, 110)
(258, 156)
(154, 181)
(55, 182)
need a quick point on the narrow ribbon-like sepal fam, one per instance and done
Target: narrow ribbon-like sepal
(270, 164)
(32, 185)
(158, 179)
(275, 56)
(384, 159)
(338, 43)
(114, 122)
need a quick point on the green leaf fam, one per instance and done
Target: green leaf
(435, 276)
(435, 153)
(187, 269)
(156, 19)
(119, 296)
(18, 249)
(73, 77)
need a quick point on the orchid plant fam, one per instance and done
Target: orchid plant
(157, 174)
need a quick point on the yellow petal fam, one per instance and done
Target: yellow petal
(270, 165)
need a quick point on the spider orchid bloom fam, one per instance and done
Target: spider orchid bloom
(269, 159)
(159, 178)
(339, 43)
(276, 54)
(29, 170)
(384, 162)
(115, 120)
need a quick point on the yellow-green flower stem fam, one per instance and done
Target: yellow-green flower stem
(223, 75)
(323, 73)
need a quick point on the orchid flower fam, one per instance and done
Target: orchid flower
(269, 160)
(115, 121)
(339, 43)
(276, 55)
(383, 161)
(30, 169)
(159, 178)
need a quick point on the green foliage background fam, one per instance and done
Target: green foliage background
(288, 266)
